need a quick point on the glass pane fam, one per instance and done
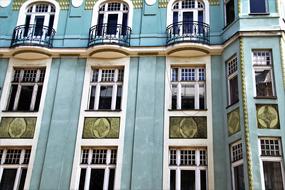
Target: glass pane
(100, 25)
(257, 6)
(111, 179)
(174, 97)
(39, 20)
(239, 178)
(233, 90)
(187, 22)
(8, 179)
(119, 97)
(12, 97)
(172, 179)
(25, 98)
(272, 176)
(38, 98)
(105, 101)
(201, 96)
(22, 179)
(125, 24)
(82, 179)
(112, 24)
(187, 180)
(263, 81)
(203, 177)
(187, 96)
(230, 12)
(92, 98)
(97, 179)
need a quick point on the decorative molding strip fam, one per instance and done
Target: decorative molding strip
(163, 3)
(17, 127)
(282, 46)
(239, 7)
(64, 4)
(138, 4)
(245, 116)
(188, 127)
(89, 4)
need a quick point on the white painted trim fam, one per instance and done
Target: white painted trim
(5, 95)
(99, 2)
(203, 61)
(170, 12)
(23, 9)
(119, 143)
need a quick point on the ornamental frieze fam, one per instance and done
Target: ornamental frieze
(64, 4)
(188, 127)
(17, 127)
(101, 127)
(233, 119)
(267, 116)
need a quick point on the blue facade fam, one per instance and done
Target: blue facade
(185, 94)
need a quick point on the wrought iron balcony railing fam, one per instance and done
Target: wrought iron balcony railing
(34, 35)
(191, 31)
(109, 34)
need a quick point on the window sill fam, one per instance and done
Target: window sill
(266, 97)
(259, 14)
(103, 110)
(187, 109)
(232, 104)
(17, 111)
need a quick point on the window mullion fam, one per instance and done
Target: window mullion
(114, 95)
(34, 96)
(17, 97)
(17, 179)
(106, 178)
(179, 94)
(87, 178)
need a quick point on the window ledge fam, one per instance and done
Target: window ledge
(259, 14)
(266, 97)
(17, 111)
(187, 109)
(103, 110)
(234, 103)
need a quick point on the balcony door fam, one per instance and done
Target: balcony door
(188, 17)
(39, 20)
(112, 19)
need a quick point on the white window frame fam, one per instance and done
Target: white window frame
(197, 167)
(90, 166)
(115, 83)
(266, 8)
(20, 84)
(196, 83)
(225, 12)
(230, 75)
(106, 12)
(19, 166)
(261, 67)
(274, 158)
(46, 14)
(235, 163)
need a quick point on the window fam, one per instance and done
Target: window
(229, 11)
(26, 89)
(271, 157)
(232, 80)
(188, 168)
(262, 65)
(106, 88)
(39, 20)
(237, 166)
(14, 165)
(258, 6)
(189, 13)
(97, 168)
(188, 87)
(112, 19)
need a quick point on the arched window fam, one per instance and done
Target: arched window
(113, 15)
(40, 17)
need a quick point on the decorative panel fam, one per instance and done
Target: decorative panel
(233, 122)
(188, 127)
(101, 127)
(64, 4)
(137, 4)
(267, 116)
(17, 127)
(89, 4)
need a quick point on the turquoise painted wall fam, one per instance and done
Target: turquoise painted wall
(143, 143)
(3, 70)
(54, 156)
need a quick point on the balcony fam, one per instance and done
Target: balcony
(192, 31)
(109, 34)
(33, 35)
